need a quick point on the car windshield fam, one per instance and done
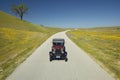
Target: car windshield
(58, 44)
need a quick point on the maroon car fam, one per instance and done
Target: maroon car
(58, 50)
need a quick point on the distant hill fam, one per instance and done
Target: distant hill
(18, 39)
(108, 28)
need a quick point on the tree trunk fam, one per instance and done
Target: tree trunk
(21, 17)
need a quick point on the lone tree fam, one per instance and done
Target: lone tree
(19, 10)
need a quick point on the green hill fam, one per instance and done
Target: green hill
(18, 39)
(8, 21)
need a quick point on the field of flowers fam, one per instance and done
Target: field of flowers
(13, 43)
(18, 39)
(102, 44)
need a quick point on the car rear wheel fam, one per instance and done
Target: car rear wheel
(66, 59)
(50, 60)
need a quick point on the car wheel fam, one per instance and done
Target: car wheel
(50, 59)
(66, 59)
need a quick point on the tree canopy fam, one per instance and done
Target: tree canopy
(20, 10)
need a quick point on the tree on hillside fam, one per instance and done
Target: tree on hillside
(19, 10)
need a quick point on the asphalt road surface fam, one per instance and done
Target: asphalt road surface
(79, 66)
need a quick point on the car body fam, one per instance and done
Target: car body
(58, 50)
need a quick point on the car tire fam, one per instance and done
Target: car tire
(66, 59)
(50, 59)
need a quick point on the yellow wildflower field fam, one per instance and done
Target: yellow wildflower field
(102, 44)
(18, 39)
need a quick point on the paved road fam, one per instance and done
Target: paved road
(79, 66)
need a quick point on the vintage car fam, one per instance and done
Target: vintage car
(58, 51)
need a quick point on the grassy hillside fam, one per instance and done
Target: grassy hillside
(102, 44)
(18, 39)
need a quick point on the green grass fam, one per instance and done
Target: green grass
(102, 44)
(18, 39)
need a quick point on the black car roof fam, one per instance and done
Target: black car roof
(58, 40)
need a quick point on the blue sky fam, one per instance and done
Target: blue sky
(69, 13)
